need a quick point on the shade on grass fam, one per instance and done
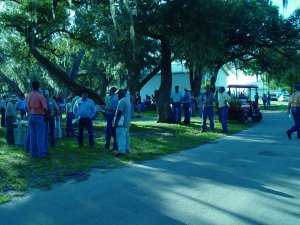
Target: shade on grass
(149, 140)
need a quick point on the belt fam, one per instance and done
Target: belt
(36, 114)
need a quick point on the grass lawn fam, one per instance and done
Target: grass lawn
(149, 140)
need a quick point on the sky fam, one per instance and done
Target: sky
(292, 6)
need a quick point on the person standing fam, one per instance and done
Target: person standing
(264, 99)
(21, 106)
(122, 123)
(3, 108)
(176, 97)
(111, 108)
(256, 98)
(70, 117)
(186, 103)
(10, 118)
(208, 99)
(223, 102)
(138, 104)
(85, 109)
(268, 100)
(294, 109)
(51, 119)
(37, 107)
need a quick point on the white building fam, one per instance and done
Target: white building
(180, 78)
(225, 77)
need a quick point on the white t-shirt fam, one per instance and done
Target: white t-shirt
(124, 105)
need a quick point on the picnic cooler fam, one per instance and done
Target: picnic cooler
(20, 134)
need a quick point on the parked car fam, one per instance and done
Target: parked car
(274, 97)
(283, 98)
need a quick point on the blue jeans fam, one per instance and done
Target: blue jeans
(176, 112)
(69, 125)
(9, 132)
(296, 115)
(37, 128)
(51, 130)
(208, 112)
(27, 141)
(268, 104)
(224, 118)
(110, 131)
(186, 111)
(88, 124)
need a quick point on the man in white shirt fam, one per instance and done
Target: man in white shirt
(176, 97)
(223, 101)
(122, 122)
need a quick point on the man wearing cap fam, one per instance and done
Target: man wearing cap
(85, 109)
(294, 109)
(111, 108)
(52, 116)
(122, 122)
(69, 117)
(37, 108)
(207, 99)
(10, 118)
(186, 103)
(3, 108)
(223, 101)
(176, 97)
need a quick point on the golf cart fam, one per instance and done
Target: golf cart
(241, 105)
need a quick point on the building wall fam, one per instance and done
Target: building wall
(180, 78)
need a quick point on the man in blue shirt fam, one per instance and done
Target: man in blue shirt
(111, 108)
(207, 100)
(186, 103)
(85, 110)
(21, 105)
(176, 97)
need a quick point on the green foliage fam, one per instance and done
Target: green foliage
(122, 40)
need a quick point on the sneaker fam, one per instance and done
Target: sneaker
(202, 130)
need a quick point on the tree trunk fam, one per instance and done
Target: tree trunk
(76, 64)
(196, 80)
(214, 78)
(164, 92)
(133, 81)
(63, 77)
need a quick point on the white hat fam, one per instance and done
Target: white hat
(13, 97)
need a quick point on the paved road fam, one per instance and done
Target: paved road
(249, 178)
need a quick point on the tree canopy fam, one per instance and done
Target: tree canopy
(91, 45)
